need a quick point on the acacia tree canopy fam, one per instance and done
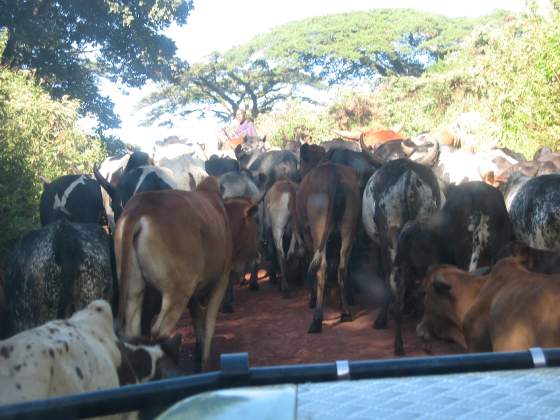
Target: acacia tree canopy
(315, 52)
(71, 43)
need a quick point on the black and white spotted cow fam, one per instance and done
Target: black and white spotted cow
(401, 190)
(76, 198)
(535, 212)
(54, 271)
(77, 355)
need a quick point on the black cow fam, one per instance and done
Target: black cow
(137, 159)
(217, 166)
(535, 212)
(401, 190)
(144, 178)
(73, 197)
(248, 151)
(359, 162)
(55, 271)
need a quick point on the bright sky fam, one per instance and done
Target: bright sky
(221, 24)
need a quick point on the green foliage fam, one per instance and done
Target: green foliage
(273, 67)
(71, 43)
(221, 86)
(298, 121)
(508, 72)
(364, 44)
(38, 137)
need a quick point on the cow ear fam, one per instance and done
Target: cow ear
(441, 287)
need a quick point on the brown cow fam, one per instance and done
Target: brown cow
(510, 309)
(184, 244)
(372, 137)
(328, 207)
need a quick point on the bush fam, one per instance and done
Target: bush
(296, 122)
(38, 136)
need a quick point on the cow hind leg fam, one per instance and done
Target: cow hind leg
(254, 282)
(216, 297)
(399, 307)
(227, 304)
(317, 322)
(172, 307)
(197, 315)
(346, 246)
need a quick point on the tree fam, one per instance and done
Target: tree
(70, 44)
(380, 42)
(224, 84)
(315, 52)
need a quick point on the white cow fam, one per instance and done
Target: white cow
(72, 356)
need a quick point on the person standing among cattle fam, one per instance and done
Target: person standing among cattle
(245, 127)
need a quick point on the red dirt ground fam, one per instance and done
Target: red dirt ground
(273, 330)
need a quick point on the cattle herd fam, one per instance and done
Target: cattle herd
(466, 243)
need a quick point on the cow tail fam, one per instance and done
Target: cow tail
(334, 209)
(68, 255)
(130, 229)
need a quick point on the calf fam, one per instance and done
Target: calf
(184, 244)
(281, 228)
(78, 355)
(327, 208)
(73, 197)
(535, 212)
(56, 270)
(401, 190)
(511, 309)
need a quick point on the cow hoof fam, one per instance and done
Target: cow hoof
(399, 350)
(312, 303)
(286, 294)
(346, 318)
(227, 309)
(254, 286)
(315, 327)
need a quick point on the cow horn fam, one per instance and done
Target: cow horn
(430, 158)
(369, 155)
(348, 135)
(407, 149)
(46, 181)
(104, 183)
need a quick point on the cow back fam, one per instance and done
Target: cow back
(55, 270)
(535, 212)
(76, 198)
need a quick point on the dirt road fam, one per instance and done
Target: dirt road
(273, 330)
